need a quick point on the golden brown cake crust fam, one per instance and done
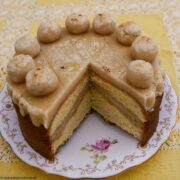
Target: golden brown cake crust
(152, 121)
(37, 137)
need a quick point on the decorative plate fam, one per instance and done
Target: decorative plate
(96, 149)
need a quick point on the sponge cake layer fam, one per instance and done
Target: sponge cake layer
(72, 123)
(113, 114)
(121, 96)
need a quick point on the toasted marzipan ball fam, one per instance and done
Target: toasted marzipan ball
(77, 23)
(19, 66)
(27, 45)
(127, 32)
(103, 24)
(140, 74)
(41, 81)
(144, 48)
(48, 31)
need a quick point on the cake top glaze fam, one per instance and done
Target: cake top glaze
(105, 49)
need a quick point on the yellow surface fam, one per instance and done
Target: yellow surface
(159, 167)
(20, 14)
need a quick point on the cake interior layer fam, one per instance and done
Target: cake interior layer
(100, 99)
(69, 106)
(114, 114)
(114, 102)
(120, 96)
(72, 123)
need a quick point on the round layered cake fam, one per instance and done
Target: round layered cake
(56, 78)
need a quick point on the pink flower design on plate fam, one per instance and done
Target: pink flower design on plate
(99, 149)
(101, 145)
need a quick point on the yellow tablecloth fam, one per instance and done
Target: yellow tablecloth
(158, 19)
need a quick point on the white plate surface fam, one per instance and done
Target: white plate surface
(96, 149)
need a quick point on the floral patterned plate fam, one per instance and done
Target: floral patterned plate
(96, 149)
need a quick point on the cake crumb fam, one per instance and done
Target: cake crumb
(62, 67)
(106, 69)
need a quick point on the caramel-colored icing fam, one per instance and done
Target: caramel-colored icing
(71, 58)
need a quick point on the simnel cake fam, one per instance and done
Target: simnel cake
(56, 78)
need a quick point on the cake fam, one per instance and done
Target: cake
(58, 77)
